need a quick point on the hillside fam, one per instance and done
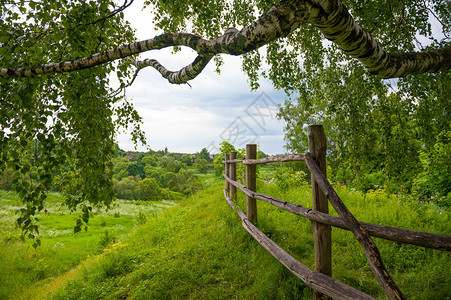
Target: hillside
(198, 249)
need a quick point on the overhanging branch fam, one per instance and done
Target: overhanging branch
(330, 16)
(177, 77)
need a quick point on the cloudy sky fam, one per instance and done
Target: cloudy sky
(216, 108)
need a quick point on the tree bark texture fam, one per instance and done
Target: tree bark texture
(232, 172)
(322, 234)
(269, 159)
(330, 16)
(251, 182)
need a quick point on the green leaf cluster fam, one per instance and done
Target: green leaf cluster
(60, 127)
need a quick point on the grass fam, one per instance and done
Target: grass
(61, 250)
(198, 249)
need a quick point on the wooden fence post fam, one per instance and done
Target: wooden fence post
(232, 175)
(321, 233)
(227, 171)
(251, 183)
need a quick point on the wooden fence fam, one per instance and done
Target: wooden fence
(322, 193)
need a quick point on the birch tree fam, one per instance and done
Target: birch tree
(57, 108)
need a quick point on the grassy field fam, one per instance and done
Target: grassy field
(61, 250)
(198, 249)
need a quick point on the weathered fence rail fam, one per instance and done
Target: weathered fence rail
(397, 235)
(320, 279)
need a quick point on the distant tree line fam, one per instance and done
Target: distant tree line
(152, 175)
(156, 175)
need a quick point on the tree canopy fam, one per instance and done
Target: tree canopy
(59, 113)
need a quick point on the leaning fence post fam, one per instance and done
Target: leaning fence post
(251, 183)
(232, 175)
(227, 171)
(321, 233)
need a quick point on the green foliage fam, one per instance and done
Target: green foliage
(188, 183)
(371, 181)
(150, 190)
(142, 218)
(287, 178)
(225, 147)
(149, 160)
(107, 238)
(126, 189)
(136, 169)
(7, 178)
(434, 182)
(203, 154)
(62, 123)
(169, 180)
(371, 124)
(202, 165)
(187, 160)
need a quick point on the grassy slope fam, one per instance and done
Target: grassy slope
(61, 250)
(198, 249)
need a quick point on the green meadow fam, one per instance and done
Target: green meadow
(197, 249)
(61, 249)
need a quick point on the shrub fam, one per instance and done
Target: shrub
(372, 181)
(150, 190)
(135, 169)
(202, 165)
(142, 218)
(126, 189)
(434, 182)
(188, 183)
(106, 238)
(286, 177)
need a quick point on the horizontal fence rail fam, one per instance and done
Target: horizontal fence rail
(269, 159)
(397, 235)
(322, 283)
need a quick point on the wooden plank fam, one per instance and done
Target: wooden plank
(270, 159)
(369, 247)
(317, 281)
(322, 234)
(397, 235)
(232, 175)
(227, 170)
(275, 158)
(229, 200)
(251, 182)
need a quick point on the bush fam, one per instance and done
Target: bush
(202, 165)
(136, 169)
(126, 189)
(434, 183)
(107, 238)
(188, 183)
(286, 177)
(150, 190)
(372, 181)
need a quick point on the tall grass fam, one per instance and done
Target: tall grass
(23, 267)
(198, 249)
